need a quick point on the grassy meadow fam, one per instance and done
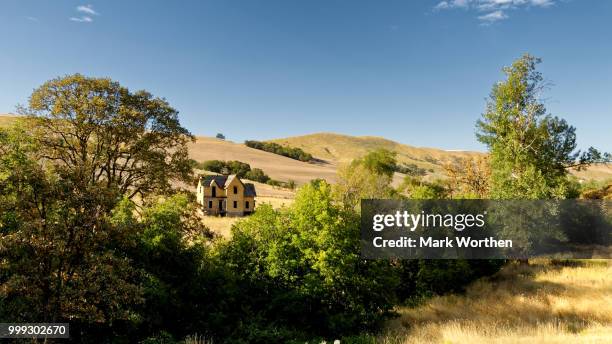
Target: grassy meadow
(545, 302)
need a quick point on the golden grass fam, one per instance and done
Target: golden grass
(276, 166)
(344, 148)
(6, 120)
(541, 303)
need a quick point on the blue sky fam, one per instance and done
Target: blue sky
(417, 72)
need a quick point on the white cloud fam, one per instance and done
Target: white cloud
(493, 16)
(87, 9)
(87, 14)
(83, 19)
(34, 19)
(491, 10)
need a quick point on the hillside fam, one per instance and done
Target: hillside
(337, 148)
(333, 150)
(343, 148)
(6, 120)
(276, 166)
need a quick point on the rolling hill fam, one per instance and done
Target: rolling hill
(276, 166)
(332, 150)
(343, 149)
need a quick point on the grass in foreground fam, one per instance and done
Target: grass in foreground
(546, 302)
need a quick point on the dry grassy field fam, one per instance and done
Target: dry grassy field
(343, 148)
(546, 302)
(276, 166)
(6, 120)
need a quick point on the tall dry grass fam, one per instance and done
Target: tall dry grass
(546, 302)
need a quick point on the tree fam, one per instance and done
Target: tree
(220, 136)
(470, 178)
(367, 177)
(85, 145)
(304, 270)
(380, 161)
(99, 131)
(417, 188)
(60, 252)
(530, 150)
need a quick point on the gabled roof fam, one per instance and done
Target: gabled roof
(230, 178)
(224, 181)
(249, 190)
(219, 180)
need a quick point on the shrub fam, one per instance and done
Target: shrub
(257, 175)
(239, 168)
(290, 152)
(302, 272)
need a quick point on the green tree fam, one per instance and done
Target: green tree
(530, 149)
(60, 252)
(303, 266)
(99, 132)
(380, 161)
(85, 145)
(367, 177)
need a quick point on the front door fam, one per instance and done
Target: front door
(220, 205)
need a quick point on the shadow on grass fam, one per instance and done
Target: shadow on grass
(569, 295)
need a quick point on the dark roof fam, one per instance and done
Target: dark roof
(220, 180)
(249, 190)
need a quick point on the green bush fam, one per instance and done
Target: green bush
(290, 152)
(257, 175)
(303, 269)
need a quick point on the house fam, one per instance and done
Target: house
(225, 195)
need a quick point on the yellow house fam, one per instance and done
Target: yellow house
(225, 195)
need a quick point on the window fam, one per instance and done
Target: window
(214, 191)
(210, 204)
(235, 190)
(235, 204)
(246, 204)
(220, 204)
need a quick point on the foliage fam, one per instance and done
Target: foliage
(257, 175)
(601, 190)
(470, 178)
(304, 267)
(177, 276)
(411, 170)
(417, 188)
(61, 254)
(381, 162)
(290, 152)
(102, 133)
(220, 136)
(239, 168)
(368, 177)
(68, 238)
(530, 150)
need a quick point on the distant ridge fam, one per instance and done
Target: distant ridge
(334, 150)
(344, 148)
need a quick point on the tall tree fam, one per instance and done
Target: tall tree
(531, 151)
(85, 145)
(100, 131)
